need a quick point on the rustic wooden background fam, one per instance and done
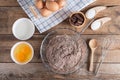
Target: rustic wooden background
(35, 70)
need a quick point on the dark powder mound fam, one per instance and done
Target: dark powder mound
(64, 54)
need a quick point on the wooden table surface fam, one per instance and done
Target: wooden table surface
(35, 70)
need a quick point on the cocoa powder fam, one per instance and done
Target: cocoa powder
(64, 54)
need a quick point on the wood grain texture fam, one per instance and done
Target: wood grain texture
(8, 3)
(35, 70)
(38, 71)
(7, 41)
(10, 14)
(11, 3)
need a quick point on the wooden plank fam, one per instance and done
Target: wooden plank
(111, 27)
(8, 3)
(37, 70)
(7, 41)
(11, 3)
(107, 2)
(10, 14)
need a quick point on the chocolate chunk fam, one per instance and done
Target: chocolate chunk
(74, 17)
(80, 17)
(77, 19)
(76, 24)
(79, 22)
(73, 20)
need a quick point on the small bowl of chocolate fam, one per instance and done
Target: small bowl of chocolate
(77, 19)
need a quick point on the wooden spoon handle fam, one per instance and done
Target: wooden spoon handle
(33, 11)
(91, 61)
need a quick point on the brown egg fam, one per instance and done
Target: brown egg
(61, 3)
(39, 4)
(45, 12)
(52, 5)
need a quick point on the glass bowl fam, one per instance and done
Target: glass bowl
(75, 36)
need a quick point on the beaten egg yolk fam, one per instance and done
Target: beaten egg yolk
(22, 53)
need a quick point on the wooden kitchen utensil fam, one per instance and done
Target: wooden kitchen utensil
(93, 45)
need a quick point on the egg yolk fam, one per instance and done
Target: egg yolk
(23, 53)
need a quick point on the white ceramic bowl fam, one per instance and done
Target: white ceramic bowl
(12, 52)
(23, 29)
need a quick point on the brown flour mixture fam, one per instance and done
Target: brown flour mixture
(64, 54)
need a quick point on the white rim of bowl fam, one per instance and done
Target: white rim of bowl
(30, 23)
(12, 52)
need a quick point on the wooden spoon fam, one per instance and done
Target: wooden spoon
(33, 11)
(93, 45)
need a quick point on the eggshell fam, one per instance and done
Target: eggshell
(45, 12)
(61, 3)
(52, 5)
(39, 4)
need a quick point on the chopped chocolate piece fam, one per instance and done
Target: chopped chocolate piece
(77, 19)
(79, 22)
